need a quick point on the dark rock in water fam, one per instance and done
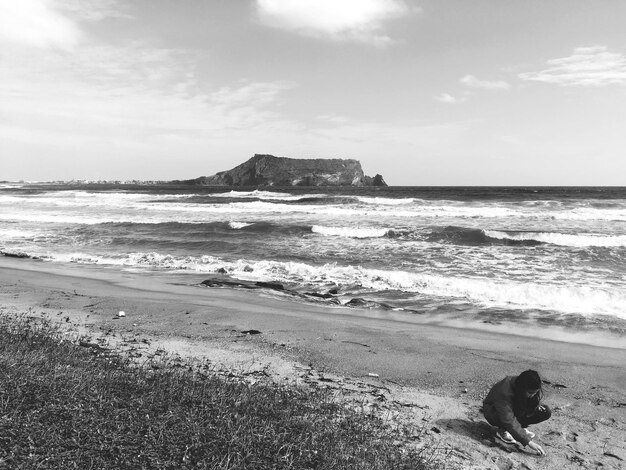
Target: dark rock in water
(317, 294)
(230, 282)
(270, 285)
(268, 170)
(14, 255)
(330, 297)
(221, 271)
(360, 302)
(251, 332)
(226, 283)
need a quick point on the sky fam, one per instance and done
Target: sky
(424, 92)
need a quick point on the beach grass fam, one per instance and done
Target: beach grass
(67, 406)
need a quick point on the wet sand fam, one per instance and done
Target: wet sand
(408, 367)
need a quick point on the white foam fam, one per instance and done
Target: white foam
(123, 206)
(266, 195)
(586, 300)
(156, 260)
(387, 201)
(11, 233)
(238, 225)
(351, 232)
(562, 239)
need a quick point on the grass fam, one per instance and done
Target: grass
(64, 406)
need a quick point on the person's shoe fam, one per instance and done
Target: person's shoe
(505, 436)
(531, 435)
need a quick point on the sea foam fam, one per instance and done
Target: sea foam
(351, 232)
(563, 239)
(574, 299)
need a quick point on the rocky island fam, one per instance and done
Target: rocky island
(268, 170)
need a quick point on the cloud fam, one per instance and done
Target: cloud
(255, 93)
(67, 94)
(587, 66)
(36, 23)
(473, 82)
(447, 98)
(131, 100)
(135, 91)
(342, 20)
(96, 10)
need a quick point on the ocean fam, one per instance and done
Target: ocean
(519, 259)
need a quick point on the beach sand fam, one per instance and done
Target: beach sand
(405, 367)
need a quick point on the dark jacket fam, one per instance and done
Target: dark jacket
(498, 409)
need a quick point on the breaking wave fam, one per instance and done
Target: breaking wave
(351, 232)
(477, 236)
(238, 225)
(562, 239)
(584, 300)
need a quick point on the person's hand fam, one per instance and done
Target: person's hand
(536, 447)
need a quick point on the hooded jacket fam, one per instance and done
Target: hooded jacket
(498, 409)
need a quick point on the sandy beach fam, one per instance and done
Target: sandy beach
(405, 367)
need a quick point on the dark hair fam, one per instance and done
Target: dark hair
(526, 381)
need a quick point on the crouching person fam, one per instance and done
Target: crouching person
(512, 405)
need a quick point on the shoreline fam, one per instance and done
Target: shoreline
(450, 369)
(175, 281)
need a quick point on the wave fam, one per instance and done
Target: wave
(82, 199)
(567, 298)
(477, 236)
(351, 232)
(238, 225)
(267, 195)
(11, 233)
(562, 239)
(386, 201)
(185, 232)
(193, 208)
(584, 300)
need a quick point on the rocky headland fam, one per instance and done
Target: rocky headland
(268, 170)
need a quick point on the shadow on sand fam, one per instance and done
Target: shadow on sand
(478, 430)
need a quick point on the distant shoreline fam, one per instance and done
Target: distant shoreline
(178, 184)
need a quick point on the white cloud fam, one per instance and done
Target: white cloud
(36, 23)
(68, 95)
(473, 82)
(587, 66)
(256, 93)
(133, 91)
(139, 112)
(447, 98)
(344, 20)
(96, 10)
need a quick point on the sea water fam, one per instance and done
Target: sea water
(552, 257)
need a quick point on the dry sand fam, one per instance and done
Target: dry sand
(406, 368)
